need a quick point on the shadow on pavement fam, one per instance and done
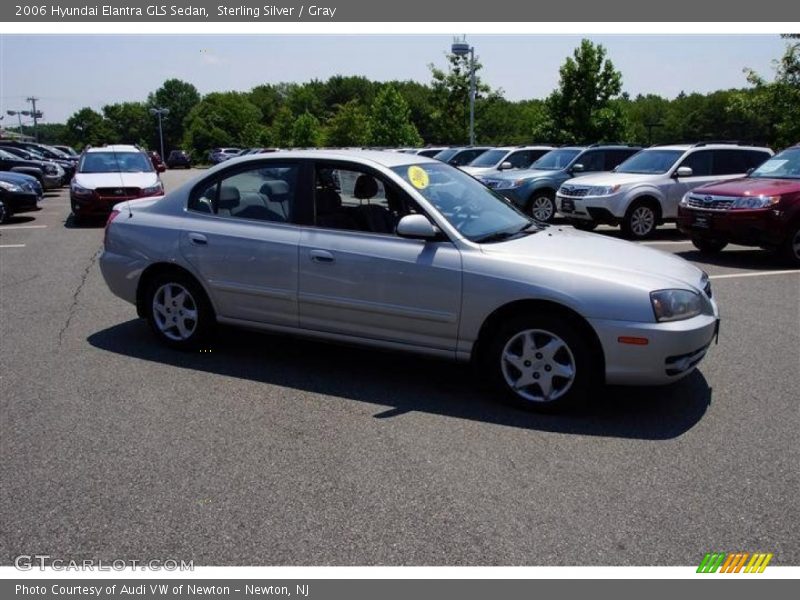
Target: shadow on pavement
(84, 222)
(406, 383)
(754, 259)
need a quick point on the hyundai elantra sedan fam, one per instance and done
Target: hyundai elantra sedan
(402, 252)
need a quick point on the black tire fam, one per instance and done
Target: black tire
(583, 225)
(201, 327)
(709, 246)
(639, 215)
(566, 394)
(3, 213)
(543, 204)
(791, 247)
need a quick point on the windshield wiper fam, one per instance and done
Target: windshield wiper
(499, 236)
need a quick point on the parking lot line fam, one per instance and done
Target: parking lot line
(756, 274)
(7, 227)
(12, 245)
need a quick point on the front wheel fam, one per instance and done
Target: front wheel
(3, 212)
(541, 363)
(583, 225)
(709, 246)
(542, 206)
(640, 221)
(791, 247)
(178, 311)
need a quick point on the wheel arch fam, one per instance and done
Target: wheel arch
(646, 196)
(536, 306)
(160, 268)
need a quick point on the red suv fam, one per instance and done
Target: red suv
(763, 209)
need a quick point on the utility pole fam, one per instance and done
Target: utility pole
(36, 116)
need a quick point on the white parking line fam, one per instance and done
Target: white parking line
(666, 242)
(7, 227)
(757, 274)
(12, 245)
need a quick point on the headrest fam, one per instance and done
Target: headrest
(228, 197)
(276, 190)
(366, 187)
(327, 201)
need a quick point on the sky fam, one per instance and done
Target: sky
(69, 72)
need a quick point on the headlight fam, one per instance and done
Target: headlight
(507, 184)
(677, 305)
(10, 187)
(78, 190)
(756, 202)
(153, 190)
(685, 199)
(603, 190)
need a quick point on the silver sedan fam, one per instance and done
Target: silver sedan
(402, 252)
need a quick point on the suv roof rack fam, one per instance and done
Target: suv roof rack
(627, 145)
(721, 142)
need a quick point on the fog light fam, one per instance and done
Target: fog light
(635, 341)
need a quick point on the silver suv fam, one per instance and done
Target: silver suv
(645, 190)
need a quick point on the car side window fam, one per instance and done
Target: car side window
(699, 162)
(353, 199)
(730, 162)
(264, 192)
(614, 158)
(521, 159)
(592, 161)
(755, 158)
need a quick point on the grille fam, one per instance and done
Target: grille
(710, 202)
(573, 192)
(118, 192)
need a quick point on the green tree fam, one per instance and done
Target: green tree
(391, 124)
(282, 125)
(87, 127)
(268, 99)
(350, 126)
(222, 119)
(180, 98)
(132, 123)
(581, 109)
(306, 131)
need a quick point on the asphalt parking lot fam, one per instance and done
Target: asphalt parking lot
(268, 450)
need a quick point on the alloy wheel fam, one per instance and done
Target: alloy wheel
(796, 244)
(538, 365)
(542, 208)
(643, 219)
(175, 311)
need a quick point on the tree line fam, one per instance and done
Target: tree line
(589, 105)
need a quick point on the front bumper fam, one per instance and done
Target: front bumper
(757, 227)
(673, 350)
(598, 209)
(100, 206)
(52, 181)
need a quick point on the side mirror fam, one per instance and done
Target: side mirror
(417, 227)
(161, 168)
(750, 170)
(683, 172)
(577, 168)
(505, 166)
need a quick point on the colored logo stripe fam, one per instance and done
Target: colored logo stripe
(733, 562)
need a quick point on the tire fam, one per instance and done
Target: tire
(641, 220)
(583, 225)
(548, 356)
(178, 311)
(791, 247)
(542, 205)
(3, 213)
(709, 246)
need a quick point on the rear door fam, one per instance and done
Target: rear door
(241, 238)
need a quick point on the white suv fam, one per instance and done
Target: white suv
(645, 190)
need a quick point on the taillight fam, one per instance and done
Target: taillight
(114, 214)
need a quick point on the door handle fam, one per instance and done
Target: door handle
(198, 238)
(321, 256)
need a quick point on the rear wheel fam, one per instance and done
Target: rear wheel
(709, 246)
(791, 247)
(3, 212)
(178, 311)
(640, 220)
(540, 363)
(542, 205)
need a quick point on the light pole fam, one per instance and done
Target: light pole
(18, 114)
(460, 47)
(160, 112)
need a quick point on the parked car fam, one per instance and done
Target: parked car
(459, 157)
(218, 155)
(108, 175)
(179, 158)
(155, 159)
(428, 152)
(534, 190)
(48, 174)
(32, 154)
(18, 193)
(402, 252)
(644, 191)
(505, 159)
(68, 150)
(762, 209)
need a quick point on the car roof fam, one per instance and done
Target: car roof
(114, 148)
(708, 146)
(384, 158)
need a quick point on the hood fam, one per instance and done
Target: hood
(93, 181)
(514, 174)
(609, 178)
(600, 256)
(751, 186)
(491, 171)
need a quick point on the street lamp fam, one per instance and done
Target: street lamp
(160, 112)
(460, 47)
(19, 114)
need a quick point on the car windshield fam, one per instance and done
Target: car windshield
(56, 152)
(477, 212)
(489, 158)
(556, 159)
(8, 155)
(784, 165)
(115, 162)
(650, 162)
(447, 154)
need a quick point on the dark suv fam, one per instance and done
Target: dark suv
(179, 158)
(534, 189)
(762, 209)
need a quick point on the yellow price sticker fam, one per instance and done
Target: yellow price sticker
(418, 177)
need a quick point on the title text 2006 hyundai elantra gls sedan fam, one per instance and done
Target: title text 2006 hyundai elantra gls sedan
(402, 252)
